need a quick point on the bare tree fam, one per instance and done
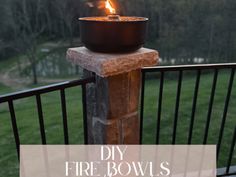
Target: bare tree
(28, 26)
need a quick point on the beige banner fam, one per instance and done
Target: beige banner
(117, 161)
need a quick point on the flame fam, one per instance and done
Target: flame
(109, 6)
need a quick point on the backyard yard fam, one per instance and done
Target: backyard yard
(34, 39)
(26, 114)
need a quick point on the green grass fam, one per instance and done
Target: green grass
(4, 64)
(4, 89)
(168, 109)
(28, 125)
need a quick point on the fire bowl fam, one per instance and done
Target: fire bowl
(109, 35)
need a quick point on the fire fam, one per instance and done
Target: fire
(109, 6)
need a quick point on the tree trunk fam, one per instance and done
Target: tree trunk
(34, 71)
(211, 34)
(19, 66)
(76, 69)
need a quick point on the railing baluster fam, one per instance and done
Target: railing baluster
(41, 120)
(177, 106)
(14, 127)
(64, 114)
(210, 106)
(159, 107)
(231, 152)
(10, 98)
(142, 106)
(225, 111)
(85, 121)
(194, 106)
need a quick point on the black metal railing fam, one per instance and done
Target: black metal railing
(10, 98)
(162, 71)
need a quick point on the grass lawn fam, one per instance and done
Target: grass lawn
(4, 89)
(168, 108)
(27, 119)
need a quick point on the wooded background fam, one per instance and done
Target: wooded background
(178, 28)
(183, 29)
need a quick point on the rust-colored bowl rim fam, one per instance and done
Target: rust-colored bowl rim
(102, 19)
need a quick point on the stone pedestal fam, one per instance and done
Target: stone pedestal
(112, 102)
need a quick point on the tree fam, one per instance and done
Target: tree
(28, 17)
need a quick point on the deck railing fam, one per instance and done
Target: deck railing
(161, 71)
(37, 92)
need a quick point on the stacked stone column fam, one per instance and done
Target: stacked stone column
(113, 100)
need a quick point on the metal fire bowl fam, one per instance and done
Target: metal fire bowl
(101, 34)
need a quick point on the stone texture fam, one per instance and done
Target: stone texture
(113, 109)
(130, 128)
(106, 65)
(113, 100)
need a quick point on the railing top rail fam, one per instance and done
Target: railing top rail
(44, 89)
(189, 67)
